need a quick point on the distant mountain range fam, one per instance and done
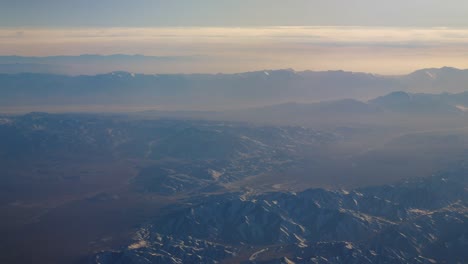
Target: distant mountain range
(395, 102)
(209, 91)
(86, 63)
(395, 108)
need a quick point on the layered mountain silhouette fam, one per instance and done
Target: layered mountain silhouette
(211, 91)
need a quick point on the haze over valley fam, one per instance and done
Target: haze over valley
(137, 173)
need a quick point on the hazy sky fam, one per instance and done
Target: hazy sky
(228, 36)
(156, 13)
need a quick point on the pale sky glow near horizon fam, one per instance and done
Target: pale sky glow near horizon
(225, 36)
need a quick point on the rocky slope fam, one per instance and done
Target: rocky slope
(417, 221)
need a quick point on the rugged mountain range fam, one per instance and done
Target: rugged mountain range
(216, 91)
(417, 221)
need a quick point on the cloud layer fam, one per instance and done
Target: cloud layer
(371, 49)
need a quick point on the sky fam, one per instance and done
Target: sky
(387, 37)
(221, 13)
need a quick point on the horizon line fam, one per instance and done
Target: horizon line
(205, 73)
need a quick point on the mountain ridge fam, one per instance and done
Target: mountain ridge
(214, 91)
(417, 221)
(17, 59)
